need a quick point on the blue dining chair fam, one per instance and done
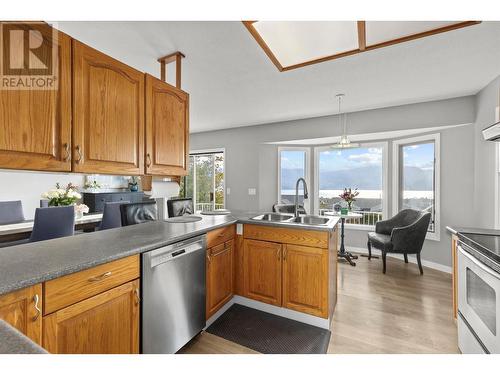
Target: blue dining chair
(11, 212)
(53, 222)
(111, 216)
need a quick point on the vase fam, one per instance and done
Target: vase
(349, 206)
(78, 215)
(133, 187)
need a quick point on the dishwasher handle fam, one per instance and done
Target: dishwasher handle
(175, 251)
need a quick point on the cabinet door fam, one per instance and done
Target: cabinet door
(219, 276)
(35, 124)
(107, 323)
(19, 309)
(262, 271)
(167, 128)
(108, 114)
(305, 279)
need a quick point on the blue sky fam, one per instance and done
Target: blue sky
(334, 160)
(420, 155)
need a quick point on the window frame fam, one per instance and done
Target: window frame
(195, 153)
(385, 180)
(307, 172)
(396, 183)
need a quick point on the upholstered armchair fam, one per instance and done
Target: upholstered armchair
(403, 234)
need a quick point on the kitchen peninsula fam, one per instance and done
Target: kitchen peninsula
(47, 288)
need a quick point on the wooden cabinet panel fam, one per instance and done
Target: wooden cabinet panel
(305, 279)
(66, 290)
(167, 128)
(107, 323)
(219, 276)
(294, 236)
(19, 310)
(35, 124)
(108, 114)
(220, 235)
(262, 271)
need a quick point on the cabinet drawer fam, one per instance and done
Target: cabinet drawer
(292, 236)
(221, 235)
(78, 286)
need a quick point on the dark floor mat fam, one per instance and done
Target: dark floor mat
(268, 333)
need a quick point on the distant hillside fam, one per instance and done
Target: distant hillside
(368, 178)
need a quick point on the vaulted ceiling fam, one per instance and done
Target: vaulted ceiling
(233, 83)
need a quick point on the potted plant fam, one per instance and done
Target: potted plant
(62, 197)
(133, 183)
(349, 196)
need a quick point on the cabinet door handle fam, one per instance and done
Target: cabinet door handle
(67, 157)
(148, 160)
(79, 152)
(209, 259)
(278, 253)
(284, 254)
(137, 296)
(100, 277)
(36, 300)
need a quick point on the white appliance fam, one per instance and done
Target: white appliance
(478, 302)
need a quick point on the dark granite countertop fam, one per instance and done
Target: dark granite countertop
(457, 230)
(32, 263)
(14, 342)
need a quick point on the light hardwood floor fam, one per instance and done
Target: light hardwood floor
(399, 312)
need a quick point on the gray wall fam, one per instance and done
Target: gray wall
(251, 162)
(485, 166)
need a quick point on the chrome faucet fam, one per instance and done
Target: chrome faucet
(306, 195)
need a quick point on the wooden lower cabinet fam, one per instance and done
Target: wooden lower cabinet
(262, 271)
(305, 279)
(22, 310)
(219, 276)
(107, 323)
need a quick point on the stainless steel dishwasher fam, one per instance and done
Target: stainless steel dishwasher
(173, 291)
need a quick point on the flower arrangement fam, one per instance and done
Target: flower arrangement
(81, 209)
(62, 197)
(92, 185)
(349, 196)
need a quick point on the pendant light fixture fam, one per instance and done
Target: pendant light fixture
(344, 140)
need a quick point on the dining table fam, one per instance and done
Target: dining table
(22, 230)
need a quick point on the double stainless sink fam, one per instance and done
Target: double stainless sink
(292, 220)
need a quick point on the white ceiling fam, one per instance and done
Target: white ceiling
(233, 83)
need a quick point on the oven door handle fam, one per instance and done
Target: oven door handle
(478, 263)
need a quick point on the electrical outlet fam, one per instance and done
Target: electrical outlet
(252, 191)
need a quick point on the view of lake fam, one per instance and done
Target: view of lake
(371, 194)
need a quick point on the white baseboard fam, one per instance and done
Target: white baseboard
(411, 259)
(271, 309)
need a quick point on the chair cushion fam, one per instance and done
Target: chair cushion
(380, 241)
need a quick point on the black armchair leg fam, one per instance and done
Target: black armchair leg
(369, 250)
(420, 264)
(383, 261)
(406, 258)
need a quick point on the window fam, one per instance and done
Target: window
(205, 181)
(293, 164)
(363, 168)
(416, 177)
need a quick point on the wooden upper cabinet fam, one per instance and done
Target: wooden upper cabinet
(35, 124)
(305, 279)
(19, 309)
(108, 114)
(262, 271)
(219, 276)
(167, 128)
(107, 323)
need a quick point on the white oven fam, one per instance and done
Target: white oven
(478, 305)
